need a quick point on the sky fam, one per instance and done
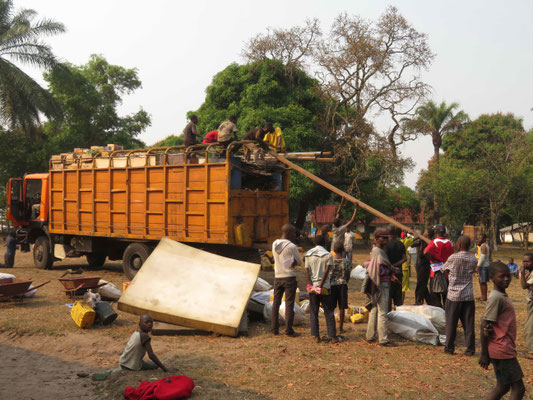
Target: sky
(483, 49)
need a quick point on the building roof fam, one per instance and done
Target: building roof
(324, 214)
(514, 227)
(402, 216)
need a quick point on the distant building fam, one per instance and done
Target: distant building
(325, 214)
(515, 233)
(404, 217)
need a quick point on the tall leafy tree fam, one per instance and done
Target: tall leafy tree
(21, 98)
(89, 96)
(483, 164)
(436, 120)
(263, 91)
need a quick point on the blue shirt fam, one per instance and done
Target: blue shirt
(512, 267)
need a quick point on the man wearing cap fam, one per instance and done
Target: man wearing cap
(438, 250)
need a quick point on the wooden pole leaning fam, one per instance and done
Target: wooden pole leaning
(346, 196)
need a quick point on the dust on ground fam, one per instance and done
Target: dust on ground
(43, 351)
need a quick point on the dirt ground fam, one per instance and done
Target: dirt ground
(43, 351)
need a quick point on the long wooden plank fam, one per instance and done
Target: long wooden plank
(345, 195)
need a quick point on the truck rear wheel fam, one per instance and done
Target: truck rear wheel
(42, 256)
(96, 260)
(134, 257)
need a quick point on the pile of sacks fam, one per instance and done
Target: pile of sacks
(425, 324)
(263, 296)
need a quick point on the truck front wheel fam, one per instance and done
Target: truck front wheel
(134, 257)
(42, 256)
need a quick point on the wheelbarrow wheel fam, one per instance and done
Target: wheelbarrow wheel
(42, 256)
(134, 257)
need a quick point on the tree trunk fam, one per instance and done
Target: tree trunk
(436, 213)
(493, 226)
(303, 207)
(366, 233)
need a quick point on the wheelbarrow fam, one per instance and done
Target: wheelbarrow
(11, 287)
(78, 285)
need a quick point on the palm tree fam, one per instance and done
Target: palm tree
(437, 121)
(21, 98)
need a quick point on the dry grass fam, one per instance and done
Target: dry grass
(259, 366)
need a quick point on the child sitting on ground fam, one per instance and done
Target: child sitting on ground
(498, 335)
(513, 267)
(138, 345)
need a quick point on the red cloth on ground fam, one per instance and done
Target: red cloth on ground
(170, 388)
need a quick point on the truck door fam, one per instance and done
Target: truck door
(15, 202)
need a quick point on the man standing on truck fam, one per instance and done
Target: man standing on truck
(286, 258)
(190, 134)
(227, 131)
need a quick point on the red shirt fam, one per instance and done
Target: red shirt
(439, 249)
(211, 137)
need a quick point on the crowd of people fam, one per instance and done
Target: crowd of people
(226, 133)
(445, 278)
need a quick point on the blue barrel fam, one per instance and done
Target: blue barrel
(278, 181)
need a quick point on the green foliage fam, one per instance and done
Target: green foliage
(457, 189)
(437, 121)
(171, 140)
(21, 98)
(484, 163)
(89, 96)
(21, 154)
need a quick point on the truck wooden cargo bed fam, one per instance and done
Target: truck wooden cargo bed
(189, 196)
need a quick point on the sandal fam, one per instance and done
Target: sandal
(338, 339)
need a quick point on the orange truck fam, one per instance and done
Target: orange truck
(119, 205)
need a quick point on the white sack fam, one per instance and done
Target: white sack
(31, 292)
(412, 326)
(3, 275)
(109, 292)
(299, 313)
(436, 315)
(261, 285)
(358, 272)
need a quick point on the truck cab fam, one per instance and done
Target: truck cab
(27, 200)
(27, 209)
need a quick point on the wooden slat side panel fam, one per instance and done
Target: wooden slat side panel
(263, 213)
(143, 202)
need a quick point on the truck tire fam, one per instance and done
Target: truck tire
(42, 256)
(96, 260)
(134, 257)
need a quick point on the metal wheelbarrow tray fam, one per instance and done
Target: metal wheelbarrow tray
(73, 284)
(11, 287)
